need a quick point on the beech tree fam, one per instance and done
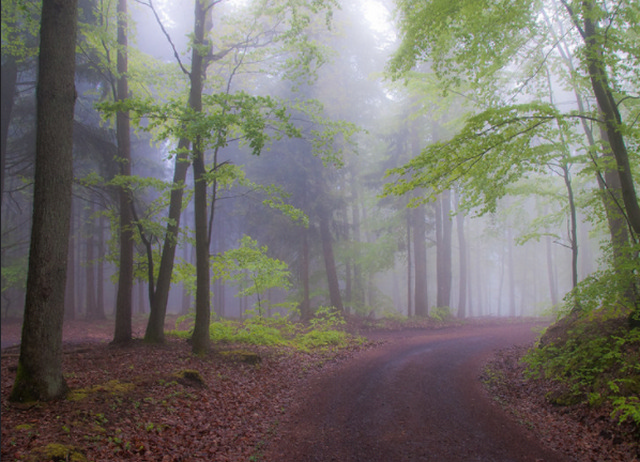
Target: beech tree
(475, 53)
(39, 375)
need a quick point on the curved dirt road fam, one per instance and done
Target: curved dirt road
(416, 398)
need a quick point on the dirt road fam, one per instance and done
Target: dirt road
(416, 398)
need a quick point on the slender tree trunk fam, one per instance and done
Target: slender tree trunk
(158, 304)
(443, 239)
(39, 375)
(420, 262)
(512, 275)
(410, 311)
(70, 290)
(99, 312)
(305, 304)
(123, 332)
(551, 272)
(9, 82)
(200, 338)
(329, 261)
(462, 249)
(89, 267)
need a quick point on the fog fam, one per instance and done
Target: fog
(354, 123)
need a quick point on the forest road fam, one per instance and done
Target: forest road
(417, 397)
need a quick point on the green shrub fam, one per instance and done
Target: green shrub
(322, 338)
(440, 313)
(597, 361)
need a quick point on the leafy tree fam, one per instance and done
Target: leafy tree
(501, 144)
(251, 268)
(39, 374)
(122, 332)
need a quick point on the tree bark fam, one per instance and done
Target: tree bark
(9, 81)
(596, 68)
(443, 238)
(158, 304)
(305, 304)
(420, 302)
(462, 249)
(329, 261)
(70, 286)
(123, 332)
(39, 375)
(200, 338)
(89, 269)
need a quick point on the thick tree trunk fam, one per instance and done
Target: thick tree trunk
(123, 332)
(39, 375)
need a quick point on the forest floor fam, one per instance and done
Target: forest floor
(163, 404)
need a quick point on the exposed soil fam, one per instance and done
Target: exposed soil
(411, 395)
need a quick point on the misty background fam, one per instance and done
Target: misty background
(356, 123)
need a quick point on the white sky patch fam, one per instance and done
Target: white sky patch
(378, 16)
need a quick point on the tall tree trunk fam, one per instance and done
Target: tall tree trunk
(443, 238)
(200, 338)
(420, 261)
(39, 375)
(597, 70)
(70, 287)
(122, 332)
(158, 304)
(99, 312)
(358, 289)
(410, 311)
(9, 82)
(329, 261)
(305, 304)
(512, 275)
(551, 272)
(89, 266)
(462, 249)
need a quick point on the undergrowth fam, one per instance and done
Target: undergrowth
(323, 331)
(596, 360)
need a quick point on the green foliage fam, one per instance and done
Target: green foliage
(326, 318)
(440, 313)
(598, 361)
(493, 150)
(323, 331)
(321, 339)
(14, 274)
(252, 270)
(20, 27)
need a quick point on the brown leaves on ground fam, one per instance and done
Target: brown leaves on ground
(151, 403)
(584, 433)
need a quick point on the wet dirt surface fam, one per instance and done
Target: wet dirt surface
(418, 397)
